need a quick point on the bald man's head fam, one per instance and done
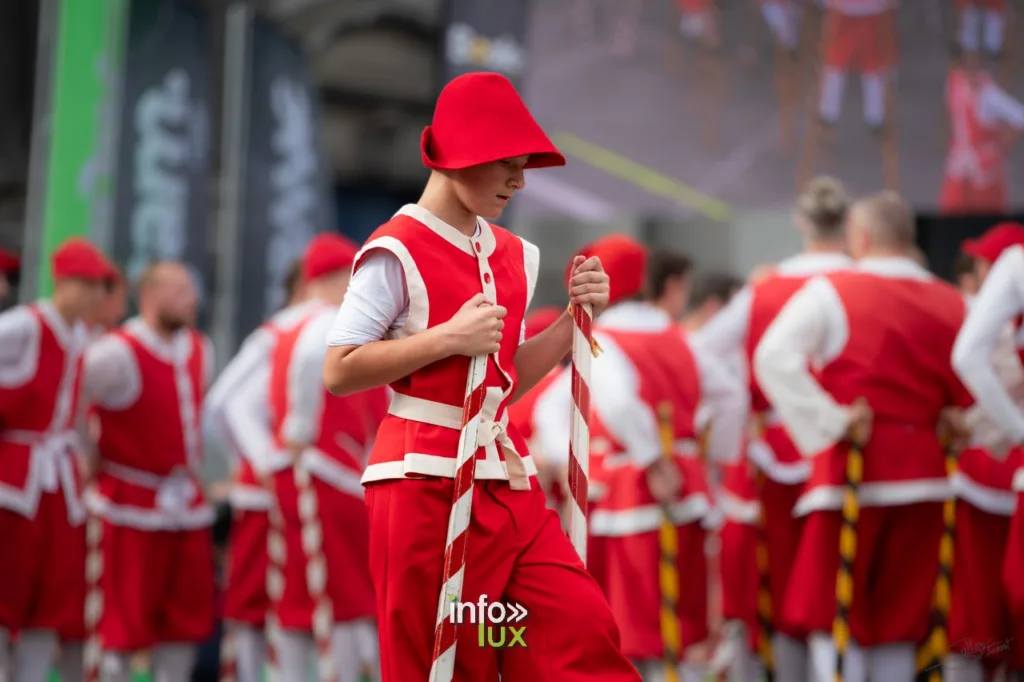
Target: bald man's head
(167, 295)
(881, 223)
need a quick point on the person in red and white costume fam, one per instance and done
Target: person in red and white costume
(820, 218)
(237, 412)
(874, 382)
(645, 361)
(984, 120)
(857, 35)
(981, 25)
(9, 264)
(42, 532)
(432, 287)
(331, 437)
(146, 381)
(525, 412)
(977, 359)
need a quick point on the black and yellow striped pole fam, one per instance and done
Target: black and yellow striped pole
(931, 656)
(847, 551)
(668, 571)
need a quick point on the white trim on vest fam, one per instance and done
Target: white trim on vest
(1018, 481)
(419, 304)
(331, 472)
(531, 264)
(250, 498)
(736, 509)
(647, 518)
(881, 494)
(985, 498)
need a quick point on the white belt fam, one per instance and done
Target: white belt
(49, 449)
(175, 492)
(685, 448)
(490, 434)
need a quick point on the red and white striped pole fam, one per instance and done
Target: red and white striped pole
(316, 571)
(442, 668)
(583, 348)
(93, 652)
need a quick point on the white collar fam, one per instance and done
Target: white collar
(175, 351)
(68, 335)
(482, 243)
(897, 267)
(635, 316)
(814, 263)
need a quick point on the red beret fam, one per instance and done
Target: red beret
(480, 118)
(326, 253)
(79, 258)
(8, 262)
(991, 244)
(625, 261)
(540, 319)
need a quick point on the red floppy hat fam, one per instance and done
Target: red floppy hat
(624, 260)
(480, 118)
(78, 258)
(326, 253)
(993, 241)
(8, 262)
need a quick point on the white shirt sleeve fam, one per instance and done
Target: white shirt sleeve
(615, 397)
(209, 361)
(235, 379)
(552, 415)
(247, 419)
(811, 327)
(996, 105)
(727, 402)
(1000, 300)
(111, 376)
(305, 382)
(20, 333)
(726, 332)
(377, 301)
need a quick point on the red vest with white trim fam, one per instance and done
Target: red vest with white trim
(152, 450)
(897, 357)
(345, 426)
(667, 372)
(37, 429)
(440, 278)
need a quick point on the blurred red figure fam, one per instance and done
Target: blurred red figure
(9, 264)
(42, 531)
(984, 121)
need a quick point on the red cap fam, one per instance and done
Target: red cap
(480, 118)
(8, 262)
(540, 319)
(991, 244)
(625, 261)
(326, 253)
(79, 258)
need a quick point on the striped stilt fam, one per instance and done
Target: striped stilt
(93, 653)
(584, 347)
(847, 551)
(442, 668)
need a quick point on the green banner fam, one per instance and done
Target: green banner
(86, 76)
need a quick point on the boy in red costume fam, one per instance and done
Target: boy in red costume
(433, 287)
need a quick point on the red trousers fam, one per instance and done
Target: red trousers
(1013, 580)
(42, 570)
(246, 600)
(158, 586)
(739, 575)
(978, 613)
(894, 571)
(866, 44)
(635, 598)
(518, 553)
(343, 523)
